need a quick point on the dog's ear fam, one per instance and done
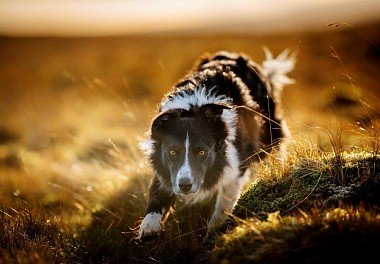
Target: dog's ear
(213, 110)
(163, 121)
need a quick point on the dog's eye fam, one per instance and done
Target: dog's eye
(201, 153)
(172, 152)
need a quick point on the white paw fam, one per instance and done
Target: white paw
(150, 225)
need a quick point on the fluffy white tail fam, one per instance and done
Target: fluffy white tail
(276, 69)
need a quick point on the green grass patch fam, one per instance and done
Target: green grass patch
(315, 183)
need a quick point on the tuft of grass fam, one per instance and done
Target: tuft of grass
(351, 178)
(333, 236)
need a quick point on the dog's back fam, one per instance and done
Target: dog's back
(256, 91)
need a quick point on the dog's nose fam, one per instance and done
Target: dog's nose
(185, 184)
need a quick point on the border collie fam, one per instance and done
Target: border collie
(225, 114)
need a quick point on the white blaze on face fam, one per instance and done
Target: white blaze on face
(185, 170)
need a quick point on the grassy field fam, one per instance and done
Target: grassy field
(73, 184)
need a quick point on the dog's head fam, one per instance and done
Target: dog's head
(189, 147)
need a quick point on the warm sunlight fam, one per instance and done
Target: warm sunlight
(79, 18)
(164, 131)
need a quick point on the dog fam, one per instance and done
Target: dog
(225, 114)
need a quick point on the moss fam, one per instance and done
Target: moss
(348, 178)
(334, 236)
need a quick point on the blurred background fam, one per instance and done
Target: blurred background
(64, 62)
(80, 82)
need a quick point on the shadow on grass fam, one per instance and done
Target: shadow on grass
(111, 237)
(28, 236)
(340, 235)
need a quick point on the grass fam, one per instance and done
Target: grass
(327, 236)
(29, 236)
(112, 233)
(319, 192)
(318, 182)
(313, 207)
(73, 185)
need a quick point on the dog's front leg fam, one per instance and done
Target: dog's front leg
(159, 203)
(227, 197)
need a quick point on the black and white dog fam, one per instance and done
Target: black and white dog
(222, 116)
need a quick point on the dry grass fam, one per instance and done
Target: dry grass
(73, 185)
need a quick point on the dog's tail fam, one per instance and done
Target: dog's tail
(275, 70)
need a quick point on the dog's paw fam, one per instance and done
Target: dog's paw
(150, 226)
